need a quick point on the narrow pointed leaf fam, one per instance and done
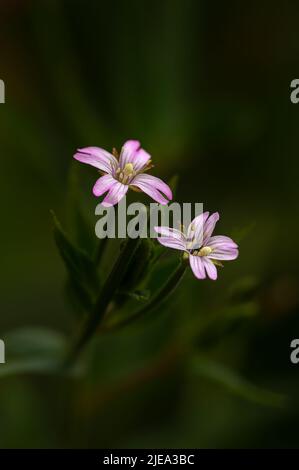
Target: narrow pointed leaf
(33, 350)
(80, 267)
(229, 379)
(107, 293)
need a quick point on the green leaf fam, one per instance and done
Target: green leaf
(229, 379)
(104, 298)
(99, 250)
(81, 269)
(77, 297)
(138, 266)
(140, 295)
(28, 350)
(156, 300)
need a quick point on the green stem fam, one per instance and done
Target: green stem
(162, 295)
(110, 286)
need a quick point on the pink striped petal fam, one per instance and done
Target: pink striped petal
(209, 226)
(98, 158)
(195, 230)
(210, 268)
(169, 231)
(224, 253)
(171, 237)
(221, 240)
(224, 248)
(171, 243)
(197, 267)
(152, 192)
(128, 152)
(103, 184)
(116, 193)
(152, 186)
(140, 159)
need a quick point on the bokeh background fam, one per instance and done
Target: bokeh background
(205, 86)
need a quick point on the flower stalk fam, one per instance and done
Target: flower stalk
(107, 292)
(158, 299)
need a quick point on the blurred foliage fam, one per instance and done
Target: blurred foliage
(208, 96)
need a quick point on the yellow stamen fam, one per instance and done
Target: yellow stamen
(205, 251)
(128, 169)
(149, 165)
(125, 175)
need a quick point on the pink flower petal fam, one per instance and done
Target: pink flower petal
(103, 184)
(218, 240)
(128, 152)
(171, 243)
(210, 268)
(116, 193)
(152, 186)
(98, 158)
(171, 237)
(197, 267)
(169, 231)
(195, 230)
(140, 159)
(209, 226)
(224, 254)
(224, 248)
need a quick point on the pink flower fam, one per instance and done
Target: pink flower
(124, 172)
(204, 251)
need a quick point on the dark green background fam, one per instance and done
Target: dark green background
(205, 86)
